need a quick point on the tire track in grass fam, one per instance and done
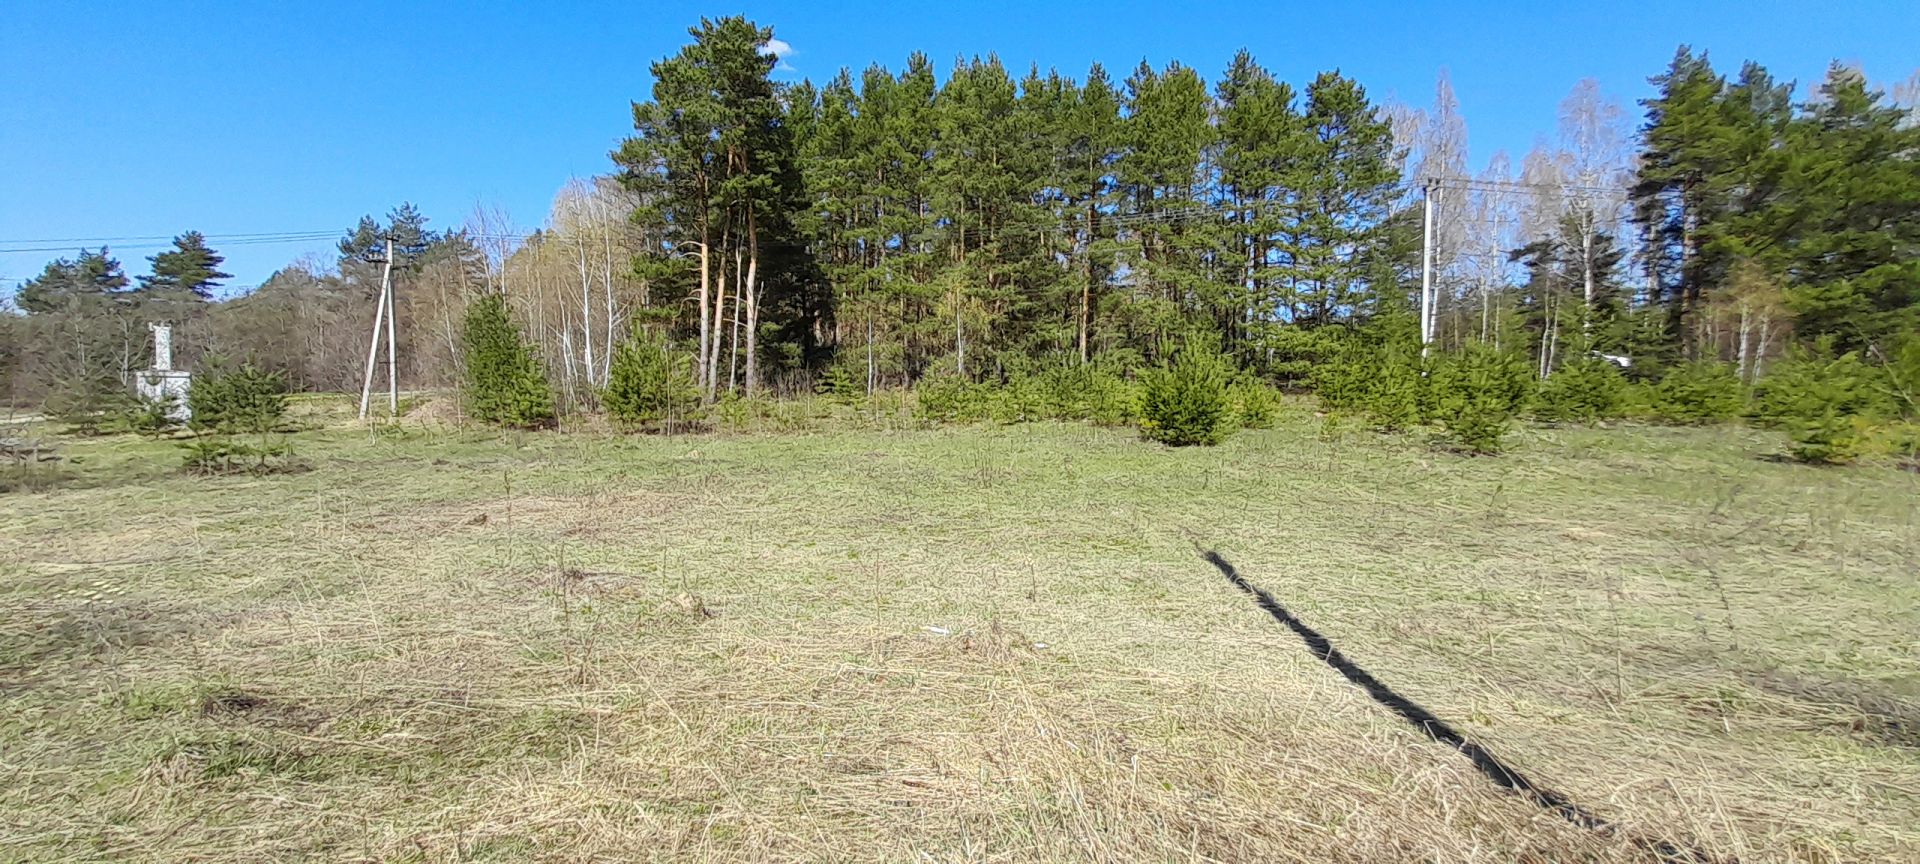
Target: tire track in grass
(1439, 730)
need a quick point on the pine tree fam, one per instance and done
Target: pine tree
(229, 400)
(1261, 133)
(715, 159)
(1671, 196)
(1584, 390)
(1094, 144)
(1186, 399)
(985, 173)
(1477, 392)
(672, 164)
(90, 321)
(64, 283)
(899, 225)
(1341, 189)
(1046, 312)
(405, 225)
(1850, 201)
(1168, 131)
(650, 385)
(1701, 391)
(227, 403)
(505, 383)
(189, 267)
(1827, 404)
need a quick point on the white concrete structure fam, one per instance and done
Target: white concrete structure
(163, 381)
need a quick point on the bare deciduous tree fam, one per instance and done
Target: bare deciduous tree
(1596, 148)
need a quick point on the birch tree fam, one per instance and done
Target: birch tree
(1596, 148)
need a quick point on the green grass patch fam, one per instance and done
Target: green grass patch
(867, 638)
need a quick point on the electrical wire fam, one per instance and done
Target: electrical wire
(1177, 215)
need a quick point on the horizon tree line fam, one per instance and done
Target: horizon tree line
(889, 225)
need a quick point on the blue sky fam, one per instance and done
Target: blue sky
(148, 119)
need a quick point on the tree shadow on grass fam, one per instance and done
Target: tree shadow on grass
(1439, 730)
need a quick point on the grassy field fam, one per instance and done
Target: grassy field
(963, 644)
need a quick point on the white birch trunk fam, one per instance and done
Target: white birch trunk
(586, 310)
(712, 359)
(753, 306)
(606, 277)
(700, 367)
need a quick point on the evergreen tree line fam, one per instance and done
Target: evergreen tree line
(894, 228)
(883, 228)
(988, 236)
(892, 223)
(83, 324)
(1766, 220)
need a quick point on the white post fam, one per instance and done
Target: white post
(162, 347)
(373, 344)
(393, 311)
(1426, 268)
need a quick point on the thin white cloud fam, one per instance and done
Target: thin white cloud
(780, 50)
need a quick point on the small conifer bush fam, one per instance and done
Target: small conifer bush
(1829, 406)
(650, 386)
(236, 400)
(1394, 395)
(1341, 382)
(1255, 403)
(845, 382)
(1095, 391)
(945, 396)
(1585, 390)
(236, 411)
(1185, 401)
(1697, 393)
(1478, 392)
(505, 384)
(90, 402)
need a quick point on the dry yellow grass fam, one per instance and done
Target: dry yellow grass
(955, 645)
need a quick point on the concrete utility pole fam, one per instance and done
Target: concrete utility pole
(1426, 267)
(393, 311)
(382, 312)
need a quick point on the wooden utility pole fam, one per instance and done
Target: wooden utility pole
(382, 312)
